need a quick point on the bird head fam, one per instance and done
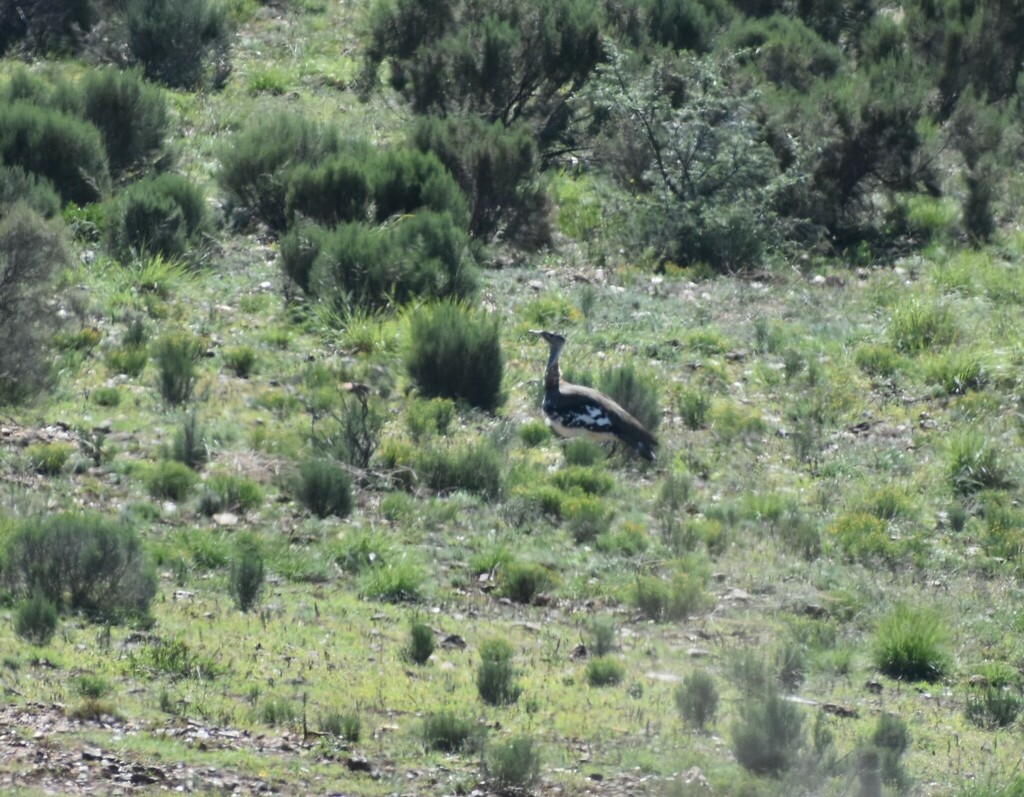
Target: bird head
(554, 340)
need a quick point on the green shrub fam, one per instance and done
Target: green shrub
(254, 166)
(974, 462)
(419, 255)
(35, 619)
(189, 445)
(82, 562)
(910, 644)
(768, 733)
(160, 215)
(956, 372)
(173, 658)
(325, 488)
(131, 116)
(584, 453)
(513, 767)
(128, 360)
(277, 711)
(330, 192)
(38, 193)
(449, 732)
(588, 480)
(297, 251)
(496, 167)
(916, 326)
(42, 30)
(864, 537)
(605, 671)
(247, 575)
(496, 675)
(502, 62)
(876, 359)
(588, 517)
(456, 353)
(993, 706)
(394, 581)
(680, 596)
(636, 392)
(29, 135)
(891, 738)
(697, 698)
(229, 493)
(421, 643)
(533, 433)
(427, 417)
(602, 636)
(176, 355)
(106, 396)
(241, 361)
(693, 407)
(32, 251)
(48, 459)
(406, 181)
(521, 582)
(170, 480)
(474, 468)
(348, 725)
(177, 41)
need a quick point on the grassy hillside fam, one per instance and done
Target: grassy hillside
(814, 590)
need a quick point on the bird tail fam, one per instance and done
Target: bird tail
(642, 441)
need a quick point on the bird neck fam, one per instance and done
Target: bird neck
(551, 374)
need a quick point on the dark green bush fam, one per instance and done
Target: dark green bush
(521, 582)
(226, 492)
(605, 671)
(325, 488)
(910, 643)
(513, 767)
(474, 468)
(421, 643)
(635, 391)
(784, 49)
(406, 180)
(247, 575)
(496, 675)
(697, 698)
(32, 250)
(423, 255)
(160, 215)
(17, 185)
(496, 168)
(297, 251)
(456, 353)
(82, 562)
(333, 191)
(449, 732)
(503, 61)
(189, 445)
(176, 355)
(768, 733)
(36, 619)
(256, 164)
(131, 116)
(29, 137)
(44, 28)
(177, 41)
(170, 480)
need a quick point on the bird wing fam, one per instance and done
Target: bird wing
(599, 411)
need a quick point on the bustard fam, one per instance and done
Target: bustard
(576, 411)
